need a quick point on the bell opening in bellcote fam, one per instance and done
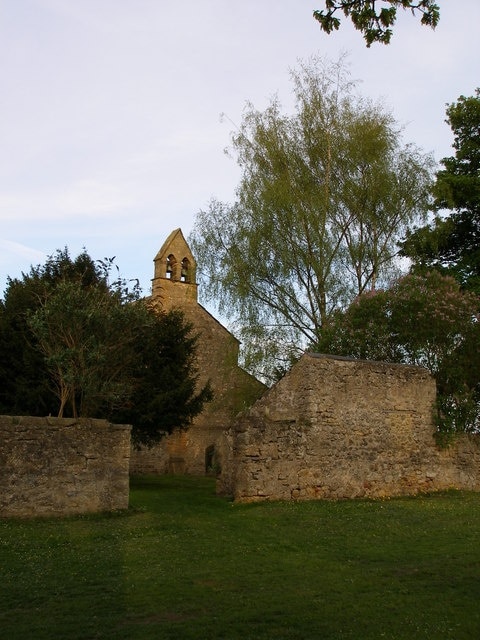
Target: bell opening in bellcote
(170, 270)
(185, 274)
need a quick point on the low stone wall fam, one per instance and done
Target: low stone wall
(339, 428)
(60, 466)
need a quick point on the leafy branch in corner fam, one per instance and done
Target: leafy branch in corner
(372, 19)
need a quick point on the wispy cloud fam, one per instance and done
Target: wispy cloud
(19, 253)
(86, 197)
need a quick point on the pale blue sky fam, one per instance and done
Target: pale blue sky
(110, 129)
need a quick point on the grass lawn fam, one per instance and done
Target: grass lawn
(185, 564)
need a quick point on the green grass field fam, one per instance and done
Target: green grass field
(183, 563)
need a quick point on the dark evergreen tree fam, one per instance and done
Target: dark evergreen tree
(24, 380)
(451, 243)
(164, 372)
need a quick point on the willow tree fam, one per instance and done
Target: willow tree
(325, 194)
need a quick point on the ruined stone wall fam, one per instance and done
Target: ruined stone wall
(340, 428)
(60, 466)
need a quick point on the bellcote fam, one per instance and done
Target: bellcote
(175, 265)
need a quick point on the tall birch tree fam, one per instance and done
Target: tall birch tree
(325, 194)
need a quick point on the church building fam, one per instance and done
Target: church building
(199, 449)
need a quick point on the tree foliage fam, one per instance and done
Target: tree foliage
(427, 320)
(375, 18)
(75, 343)
(165, 393)
(452, 243)
(324, 196)
(24, 377)
(85, 335)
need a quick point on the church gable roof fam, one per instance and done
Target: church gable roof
(177, 245)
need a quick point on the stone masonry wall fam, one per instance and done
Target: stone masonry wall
(60, 466)
(340, 428)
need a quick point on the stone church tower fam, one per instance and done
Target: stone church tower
(199, 449)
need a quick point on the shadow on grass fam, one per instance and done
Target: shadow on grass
(183, 563)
